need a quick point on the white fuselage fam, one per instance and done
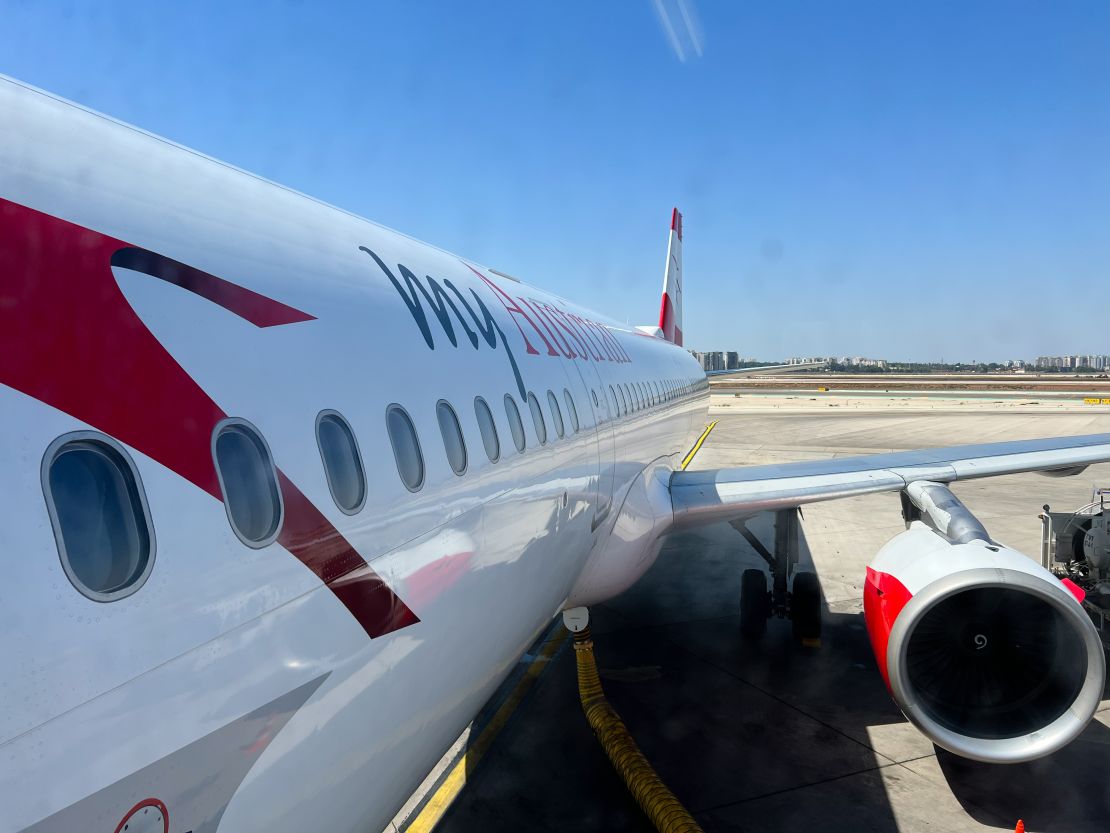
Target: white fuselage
(106, 705)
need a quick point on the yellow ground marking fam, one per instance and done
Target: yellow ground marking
(452, 785)
(697, 446)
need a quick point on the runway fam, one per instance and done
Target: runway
(765, 735)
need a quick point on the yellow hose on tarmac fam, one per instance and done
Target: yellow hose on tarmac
(650, 792)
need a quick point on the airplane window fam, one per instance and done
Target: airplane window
(451, 432)
(572, 411)
(515, 425)
(593, 393)
(628, 397)
(488, 429)
(99, 513)
(248, 481)
(643, 394)
(537, 418)
(342, 462)
(614, 406)
(624, 401)
(556, 414)
(406, 447)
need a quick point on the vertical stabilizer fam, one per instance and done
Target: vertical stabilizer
(670, 312)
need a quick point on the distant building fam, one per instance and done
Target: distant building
(1092, 360)
(708, 360)
(860, 361)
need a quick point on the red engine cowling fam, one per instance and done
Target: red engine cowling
(986, 652)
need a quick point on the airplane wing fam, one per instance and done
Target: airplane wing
(708, 496)
(776, 369)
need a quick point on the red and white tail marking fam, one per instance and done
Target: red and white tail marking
(670, 311)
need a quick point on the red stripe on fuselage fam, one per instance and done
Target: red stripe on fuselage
(70, 339)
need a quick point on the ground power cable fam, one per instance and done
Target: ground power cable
(659, 803)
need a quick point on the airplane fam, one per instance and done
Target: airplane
(289, 493)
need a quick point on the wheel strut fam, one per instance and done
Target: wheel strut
(801, 604)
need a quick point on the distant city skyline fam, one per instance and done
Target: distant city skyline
(733, 359)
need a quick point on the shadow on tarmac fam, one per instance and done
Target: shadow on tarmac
(752, 735)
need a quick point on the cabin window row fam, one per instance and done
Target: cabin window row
(100, 516)
(409, 456)
(101, 520)
(630, 397)
(624, 398)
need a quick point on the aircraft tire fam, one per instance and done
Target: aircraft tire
(754, 603)
(805, 607)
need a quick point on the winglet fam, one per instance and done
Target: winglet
(670, 310)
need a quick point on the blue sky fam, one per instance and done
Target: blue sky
(902, 180)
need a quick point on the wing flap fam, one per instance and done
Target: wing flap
(708, 496)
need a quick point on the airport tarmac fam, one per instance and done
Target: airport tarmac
(766, 735)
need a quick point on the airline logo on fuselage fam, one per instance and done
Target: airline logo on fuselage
(561, 332)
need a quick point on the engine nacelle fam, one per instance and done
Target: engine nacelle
(986, 652)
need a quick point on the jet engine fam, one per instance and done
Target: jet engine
(985, 651)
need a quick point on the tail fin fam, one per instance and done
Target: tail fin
(670, 312)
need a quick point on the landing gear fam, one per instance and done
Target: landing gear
(755, 603)
(805, 609)
(801, 603)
